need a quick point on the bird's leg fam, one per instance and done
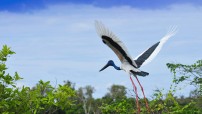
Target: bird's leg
(135, 90)
(148, 109)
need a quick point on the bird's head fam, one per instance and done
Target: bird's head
(110, 63)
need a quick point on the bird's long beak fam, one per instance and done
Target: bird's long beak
(104, 67)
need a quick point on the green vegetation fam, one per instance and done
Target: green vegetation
(43, 98)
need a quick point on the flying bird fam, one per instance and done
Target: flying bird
(129, 65)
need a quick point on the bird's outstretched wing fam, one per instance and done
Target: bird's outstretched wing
(114, 43)
(149, 54)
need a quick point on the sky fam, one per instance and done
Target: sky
(55, 40)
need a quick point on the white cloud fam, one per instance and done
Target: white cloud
(61, 42)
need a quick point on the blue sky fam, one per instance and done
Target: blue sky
(56, 40)
(27, 5)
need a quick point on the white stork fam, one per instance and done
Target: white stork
(130, 66)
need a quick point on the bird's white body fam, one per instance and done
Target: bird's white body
(127, 67)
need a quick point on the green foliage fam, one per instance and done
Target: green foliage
(171, 104)
(190, 73)
(167, 103)
(123, 106)
(42, 98)
(5, 52)
(116, 102)
(8, 91)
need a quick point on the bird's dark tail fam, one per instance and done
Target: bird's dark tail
(142, 73)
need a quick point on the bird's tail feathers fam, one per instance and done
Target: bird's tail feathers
(141, 73)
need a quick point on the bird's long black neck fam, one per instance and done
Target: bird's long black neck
(110, 63)
(116, 67)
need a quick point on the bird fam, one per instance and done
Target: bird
(128, 64)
